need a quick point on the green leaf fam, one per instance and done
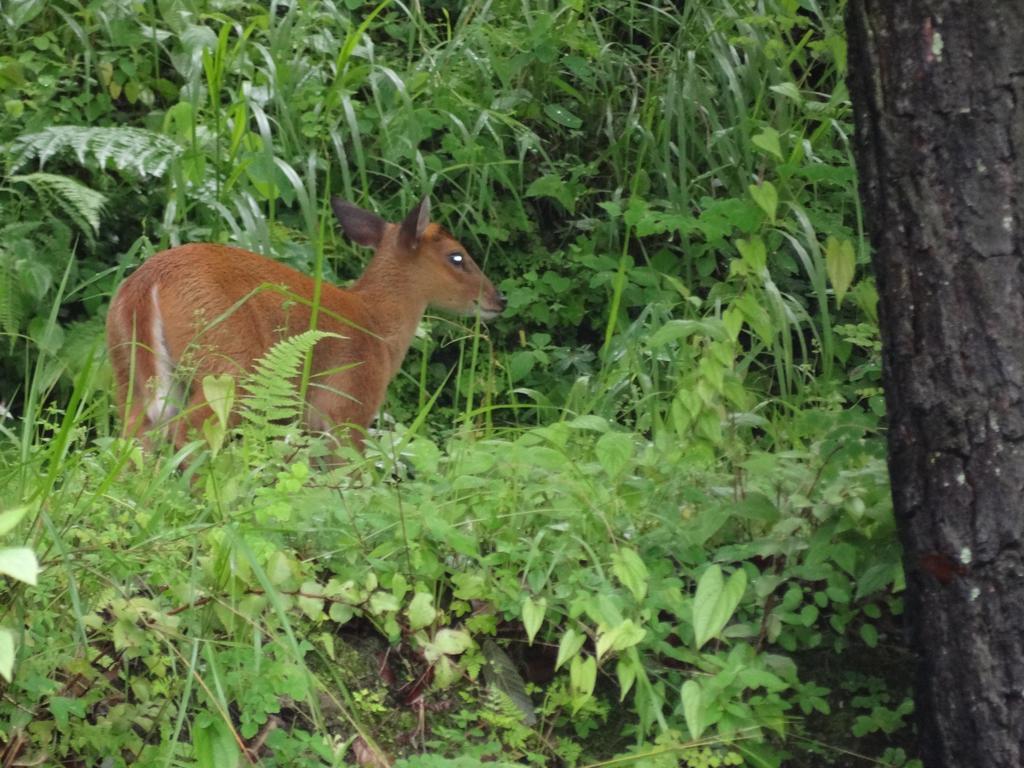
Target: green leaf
(6, 654)
(625, 635)
(340, 613)
(869, 635)
(49, 337)
(312, 606)
(674, 330)
(766, 197)
(562, 116)
(768, 140)
(732, 318)
(589, 422)
(569, 646)
(214, 743)
(383, 602)
(753, 254)
(582, 677)
(756, 316)
(614, 450)
(626, 671)
(214, 434)
(715, 602)
(790, 91)
(63, 708)
(11, 517)
(421, 610)
(533, 616)
(630, 569)
(19, 563)
(452, 641)
(553, 186)
(840, 263)
(219, 392)
(691, 696)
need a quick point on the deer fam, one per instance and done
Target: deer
(208, 309)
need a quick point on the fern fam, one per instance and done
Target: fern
(11, 305)
(81, 204)
(129, 149)
(273, 403)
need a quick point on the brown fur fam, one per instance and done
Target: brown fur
(212, 325)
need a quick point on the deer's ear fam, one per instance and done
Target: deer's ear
(414, 225)
(361, 226)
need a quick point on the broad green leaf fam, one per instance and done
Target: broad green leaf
(19, 563)
(281, 568)
(552, 185)
(214, 744)
(63, 708)
(562, 116)
(6, 654)
(533, 616)
(732, 319)
(691, 696)
(715, 602)
(753, 253)
(768, 140)
(756, 316)
(214, 434)
(589, 422)
(382, 602)
(790, 91)
(569, 646)
(674, 330)
(766, 197)
(626, 671)
(751, 677)
(869, 635)
(625, 635)
(446, 672)
(421, 610)
(11, 517)
(341, 613)
(630, 569)
(219, 392)
(310, 601)
(399, 586)
(840, 263)
(582, 677)
(452, 641)
(614, 450)
(49, 337)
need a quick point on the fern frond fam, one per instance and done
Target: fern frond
(272, 398)
(11, 304)
(82, 204)
(129, 149)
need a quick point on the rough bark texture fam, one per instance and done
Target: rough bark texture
(938, 95)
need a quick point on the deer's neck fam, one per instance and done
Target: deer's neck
(394, 305)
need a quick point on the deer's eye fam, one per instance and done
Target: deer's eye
(457, 260)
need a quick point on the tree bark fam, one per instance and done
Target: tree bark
(938, 95)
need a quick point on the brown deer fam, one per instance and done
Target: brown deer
(203, 309)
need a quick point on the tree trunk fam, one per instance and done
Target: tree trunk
(938, 96)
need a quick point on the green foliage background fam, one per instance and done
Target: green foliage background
(658, 478)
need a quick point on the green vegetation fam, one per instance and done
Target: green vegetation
(643, 517)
